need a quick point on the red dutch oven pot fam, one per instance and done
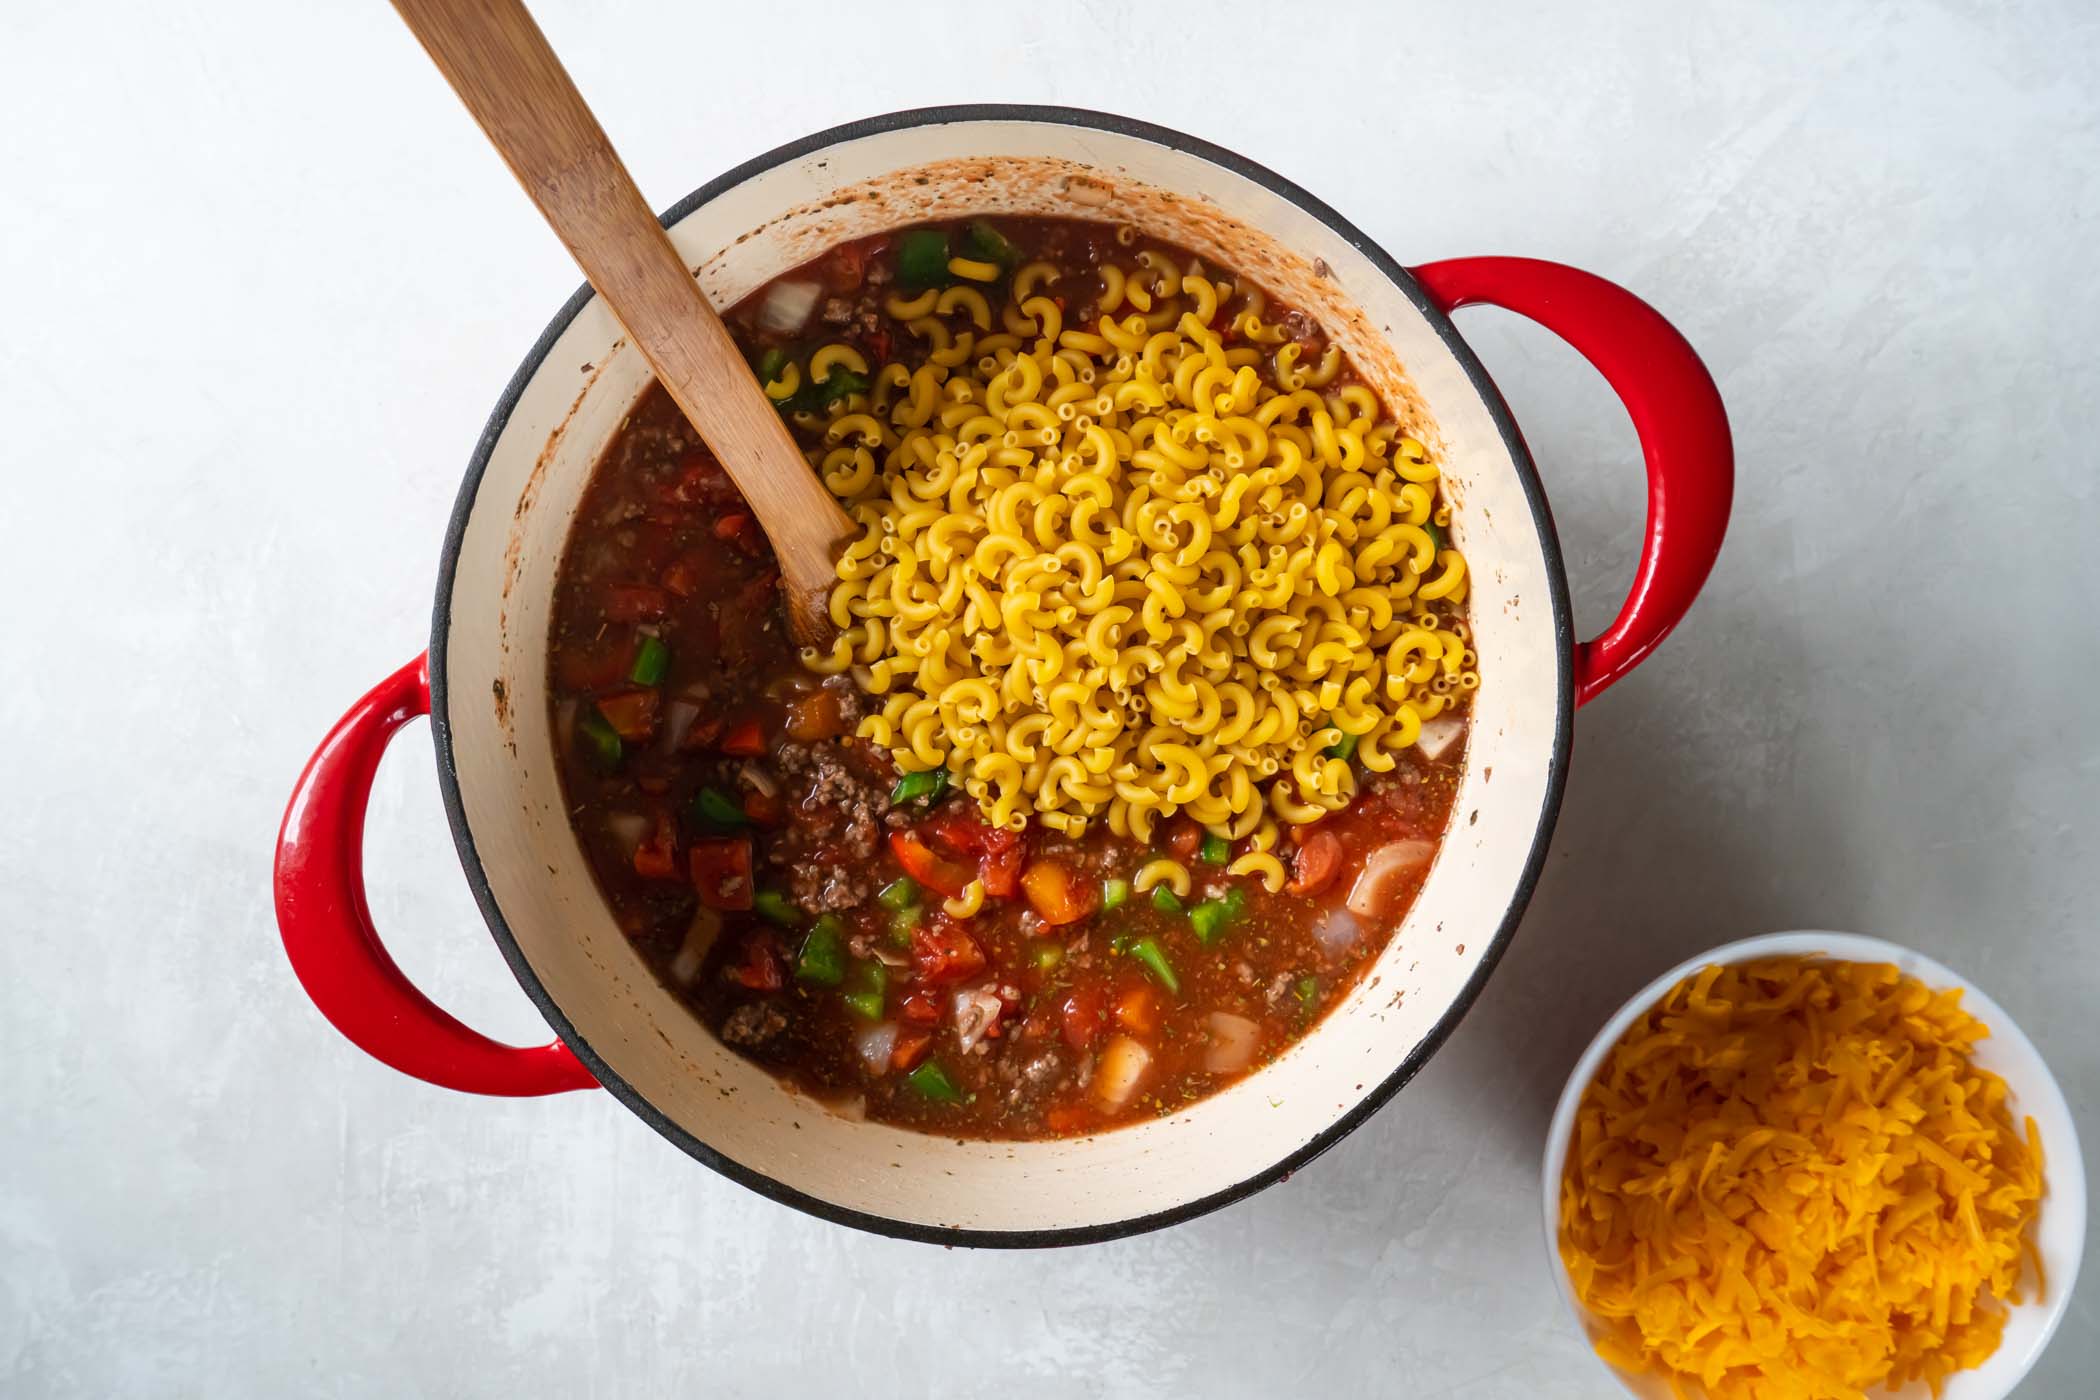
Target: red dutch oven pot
(484, 683)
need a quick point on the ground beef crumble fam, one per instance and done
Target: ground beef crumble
(824, 862)
(863, 319)
(1022, 1081)
(753, 1023)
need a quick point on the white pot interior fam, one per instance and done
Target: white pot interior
(496, 702)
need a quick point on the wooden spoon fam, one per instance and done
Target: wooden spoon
(502, 67)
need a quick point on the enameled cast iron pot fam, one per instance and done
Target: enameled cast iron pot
(484, 684)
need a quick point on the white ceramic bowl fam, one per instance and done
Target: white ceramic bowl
(2059, 1233)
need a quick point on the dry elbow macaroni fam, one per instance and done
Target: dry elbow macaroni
(1119, 571)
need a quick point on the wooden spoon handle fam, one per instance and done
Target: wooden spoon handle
(499, 63)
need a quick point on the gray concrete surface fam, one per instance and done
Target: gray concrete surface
(264, 283)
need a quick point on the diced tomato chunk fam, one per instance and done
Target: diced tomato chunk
(765, 808)
(943, 952)
(922, 1006)
(958, 827)
(1000, 866)
(745, 737)
(589, 665)
(657, 857)
(740, 530)
(682, 576)
(1065, 1118)
(1137, 1010)
(721, 871)
(1056, 894)
(817, 716)
(704, 732)
(1316, 862)
(1084, 1015)
(1000, 854)
(908, 1049)
(928, 869)
(756, 595)
(762, 968)
(700, 481)
(635, 602)
(631, 713)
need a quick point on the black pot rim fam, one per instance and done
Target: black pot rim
(1556, 776)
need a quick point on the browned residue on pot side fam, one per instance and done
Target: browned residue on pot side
(514, 545)
(529, 495)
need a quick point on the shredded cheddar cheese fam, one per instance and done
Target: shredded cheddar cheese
(1789, 1180)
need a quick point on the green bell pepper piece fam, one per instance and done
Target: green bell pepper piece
(1147, 951)
(823, 956)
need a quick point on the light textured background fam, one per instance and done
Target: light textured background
(264, 283)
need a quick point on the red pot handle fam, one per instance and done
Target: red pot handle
(1676, 410)
(327, 926)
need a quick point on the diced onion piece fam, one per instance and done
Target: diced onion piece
(1390, 862)
(760, 780)
(787, 306)
(1438, 735)
(631, 827)
(976, 1012)
(678, 722)
(876, 1043)
(699, 937)
(1232, 1042)
(1337, 930)
(1120, 1071)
